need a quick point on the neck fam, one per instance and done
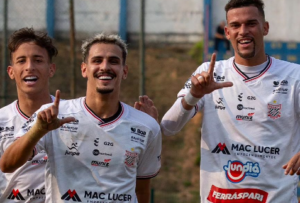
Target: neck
(254, 61)
(30, 104)
(104, 106)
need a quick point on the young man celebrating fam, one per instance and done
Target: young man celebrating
(99, 149)
(250, 105)
(31, 67)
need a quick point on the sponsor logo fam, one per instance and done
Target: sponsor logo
(107, 196)
(138, 140)
(220, 104)
(251, 98)
(68, 126)
(219, 78)
(73, 150)
(138, 132)
(76, 122)
(248, 117)
(187, 84)
(280, 90)
(249, 195)
(15, 194)
(282, 83)
(256, 149)
(71, 195)
(27, 123)
(40, 161)
(96, 142)
(7, 129)
(274, 110)
(104, 163)
(236, 171)
(36, 193)
(221, 148)
(130, 158)
(109, 144)
(240, 97)
(96, 152)
(241, 107)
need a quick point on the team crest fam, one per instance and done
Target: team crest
(274, 111)
(131, 158)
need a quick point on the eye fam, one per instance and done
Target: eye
(114, 61)
(20, 61)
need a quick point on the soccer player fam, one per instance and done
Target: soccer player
(250, 105)
(99, 149)
(30, 67)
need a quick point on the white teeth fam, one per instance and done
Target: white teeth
(105, 78)
(245, 41)
(31, 78)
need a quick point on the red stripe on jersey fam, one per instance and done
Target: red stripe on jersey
(149, 176)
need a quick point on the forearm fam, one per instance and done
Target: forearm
(20, 151)
(143, 190)
(176, 117)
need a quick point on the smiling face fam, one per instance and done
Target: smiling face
(246, 29)
(104, 69)
(31, 69)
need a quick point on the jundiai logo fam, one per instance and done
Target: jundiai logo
(71, 195)
(236, 171)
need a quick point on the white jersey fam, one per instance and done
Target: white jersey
(26, 184)
(249, 132)
(90, 160)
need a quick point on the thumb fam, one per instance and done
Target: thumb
(137, 105)
(66, 120)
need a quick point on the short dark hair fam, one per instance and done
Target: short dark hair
(259, 4)
(105, 39)
(26, 34)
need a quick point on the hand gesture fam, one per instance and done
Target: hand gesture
(146, 105)
(47, 119)
(293, 166)
(204, 82)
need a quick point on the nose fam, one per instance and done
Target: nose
(243, 29)
(29, 65)
(105, 65)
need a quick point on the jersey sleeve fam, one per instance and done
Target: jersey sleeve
(150, 161)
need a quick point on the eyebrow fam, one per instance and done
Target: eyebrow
(35, 56)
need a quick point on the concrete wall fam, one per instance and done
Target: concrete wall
(282, 15)
(165, 20)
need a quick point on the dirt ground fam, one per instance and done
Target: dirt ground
(167, 69)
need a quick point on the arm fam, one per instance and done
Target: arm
(180, 113)
(21, 150)
(142, 190)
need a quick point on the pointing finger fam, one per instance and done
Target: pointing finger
(57, 98)
(212, 65)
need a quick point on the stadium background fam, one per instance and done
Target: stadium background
(167, 41)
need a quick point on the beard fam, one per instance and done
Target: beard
(104, 91)
(247, 55)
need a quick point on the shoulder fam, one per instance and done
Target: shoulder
(8, 112)
(141, 118)
(286, 68)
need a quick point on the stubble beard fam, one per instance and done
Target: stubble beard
(247, 55)
(104, 91)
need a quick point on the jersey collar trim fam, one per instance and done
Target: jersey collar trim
(105, 122)
(248, 79)
(20, 111)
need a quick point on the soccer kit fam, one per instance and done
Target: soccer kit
(26, 184)
(96, 161)
(249, 131)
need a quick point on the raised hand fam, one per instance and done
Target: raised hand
(146, 105)
(293, 166)
(47, 119)
(204, 82)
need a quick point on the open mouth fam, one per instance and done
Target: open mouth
(105, 76)
(245, 41)
(30, 79)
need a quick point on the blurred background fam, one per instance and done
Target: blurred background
(167, 41)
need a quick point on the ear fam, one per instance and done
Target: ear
(83, 70)
(227, 32)
(266, 28)
(52, 69)
(10, 72)
(125, 72)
